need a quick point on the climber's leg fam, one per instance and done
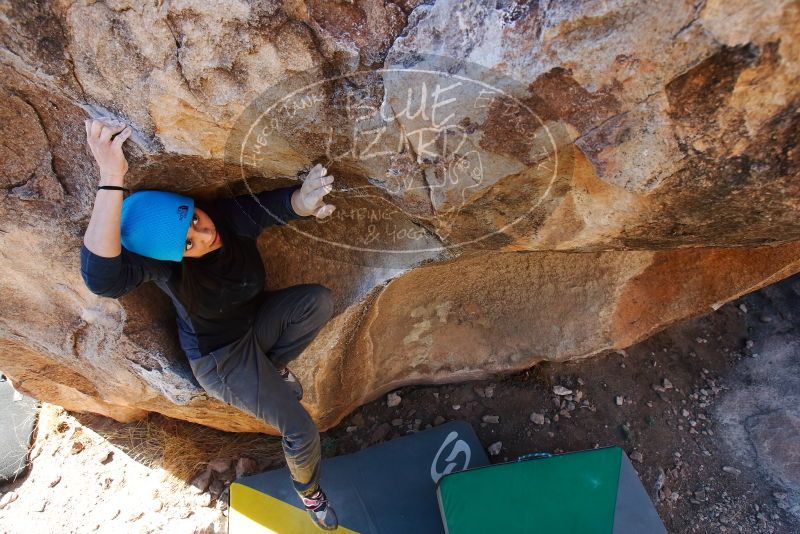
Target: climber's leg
(241, 375)
(289, 319)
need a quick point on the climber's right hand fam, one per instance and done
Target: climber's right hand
(107, 152)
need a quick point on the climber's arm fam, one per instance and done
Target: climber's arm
(106, 267)
(116, 276)
(252, 213)
(103, 233)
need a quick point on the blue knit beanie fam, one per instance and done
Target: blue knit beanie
(155, 224)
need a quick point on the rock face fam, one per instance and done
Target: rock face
(759, 419)
(516, 182)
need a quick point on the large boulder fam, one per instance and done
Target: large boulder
(515, 182)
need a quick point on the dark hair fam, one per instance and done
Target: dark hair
(200, 277)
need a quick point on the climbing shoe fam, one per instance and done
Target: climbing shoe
(292, 381)
(320, 510)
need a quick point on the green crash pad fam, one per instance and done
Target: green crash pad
(588, 492)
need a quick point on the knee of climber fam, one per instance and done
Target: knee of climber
(301, 434)
(322, 303)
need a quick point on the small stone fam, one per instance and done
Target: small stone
(537, 418)
(637, 456)
(135, 516)
(357, 419)
(219, 465)
(618, 400)
(397, 422)
(245, 466)
(494, 448)
(626, 431)
(107, 458)
(561, 390)
(393, 399)
(456, 406)
(224, 498)
(491, 419)
(438, 420)
(216, 488)
(381, 431)
(743, 308)
(489, 391)
(203, 500)
(77, 447)
(667, 384)
(7, 499)
(662, 477)
(685, 412)
(200, 482)
(351, 429)
(731, 470)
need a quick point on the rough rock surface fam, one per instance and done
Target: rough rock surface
(603, 170)
(760, 416)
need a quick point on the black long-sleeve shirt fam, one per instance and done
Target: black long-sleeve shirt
(238, 300)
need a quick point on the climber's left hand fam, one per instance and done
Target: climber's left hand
(308, 199)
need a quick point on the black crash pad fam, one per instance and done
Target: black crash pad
(17, 419)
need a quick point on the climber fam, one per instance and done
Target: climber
(238, 337)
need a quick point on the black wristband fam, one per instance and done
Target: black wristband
(113, 187)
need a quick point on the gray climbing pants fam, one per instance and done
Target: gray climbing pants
(244, 373)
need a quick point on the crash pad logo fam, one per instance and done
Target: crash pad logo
(182, 211)
(456, 454)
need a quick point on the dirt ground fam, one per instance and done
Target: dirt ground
(659, 400)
